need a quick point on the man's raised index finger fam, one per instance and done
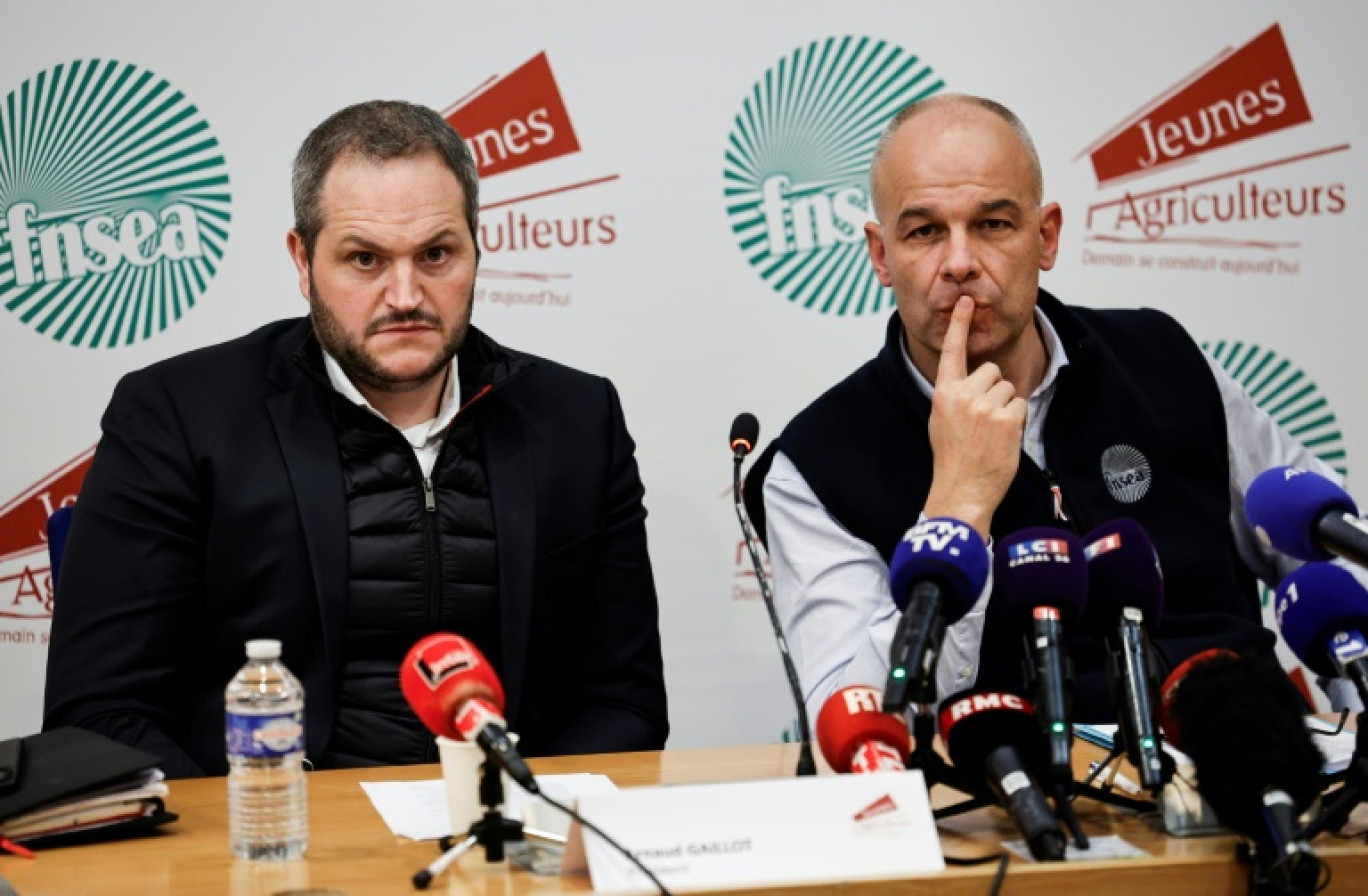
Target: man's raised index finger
(954, 363)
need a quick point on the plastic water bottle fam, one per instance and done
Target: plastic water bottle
(268, 808)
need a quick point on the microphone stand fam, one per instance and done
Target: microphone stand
(492, 831)
(806, 764)
(1355, 789)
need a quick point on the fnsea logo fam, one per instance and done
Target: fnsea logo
(1224, 171)
(26, 590)
(796, 168)
(114, 204)
(1287, 394)
(519, 129)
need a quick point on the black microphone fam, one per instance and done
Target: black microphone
(996, 735)
(1240, 720)
(936, 573)
(1041, 580)
(1125, 592)
(745, 433)
(1306, 516)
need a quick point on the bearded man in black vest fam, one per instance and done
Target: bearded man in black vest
(351, 481)
(995, 404)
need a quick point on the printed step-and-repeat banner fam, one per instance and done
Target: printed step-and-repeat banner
(672, 197)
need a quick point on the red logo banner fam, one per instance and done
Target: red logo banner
(1245, 93)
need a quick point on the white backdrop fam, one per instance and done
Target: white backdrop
(664, 300)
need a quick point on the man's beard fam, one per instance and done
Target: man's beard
(363, 367)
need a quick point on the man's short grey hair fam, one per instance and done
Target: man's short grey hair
(963, 99)
(378, 131)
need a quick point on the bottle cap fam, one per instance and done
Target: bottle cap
(263, 649)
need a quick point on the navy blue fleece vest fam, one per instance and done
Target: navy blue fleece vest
(1135, 378)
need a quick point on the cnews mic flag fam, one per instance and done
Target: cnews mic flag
(1322, 612)
(1240, 720)
(1041, 584)
(1125, 598)
(855, 736)
(995, 735)
(1304, 515)
(937, 572)
(454, 691)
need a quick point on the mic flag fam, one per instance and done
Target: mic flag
(454, 691)
(995, 735)
(856, 737)
(1041, 585)
(1322, 611)
(1285, 508)
(946, 551)
(936, 574)
(1123, 571)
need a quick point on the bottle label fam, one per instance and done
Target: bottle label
(263, 737)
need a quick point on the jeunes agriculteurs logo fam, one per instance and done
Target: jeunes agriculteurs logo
(114, 203)
(795, 174)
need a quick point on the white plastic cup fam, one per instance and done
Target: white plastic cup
(461, 761)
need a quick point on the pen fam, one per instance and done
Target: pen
(1118, 779)
(425, 877)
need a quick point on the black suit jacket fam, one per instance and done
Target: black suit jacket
(214, 513)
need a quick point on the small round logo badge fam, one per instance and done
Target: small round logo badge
(1126, 472)
(114, 204)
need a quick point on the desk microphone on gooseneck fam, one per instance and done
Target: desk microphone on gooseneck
(745, 433)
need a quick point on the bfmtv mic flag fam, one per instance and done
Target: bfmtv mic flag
(515, 120)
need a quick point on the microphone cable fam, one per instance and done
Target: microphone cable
(745, 432)
(609, 840)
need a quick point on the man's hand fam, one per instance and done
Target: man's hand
(976, 426)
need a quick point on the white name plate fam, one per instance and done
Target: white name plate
(758, 833)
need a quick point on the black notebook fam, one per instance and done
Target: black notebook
(70, 785)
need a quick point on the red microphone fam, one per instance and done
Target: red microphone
(1168, 692)
(456, 694)
(856, 736)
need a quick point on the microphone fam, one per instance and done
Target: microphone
(1240, 721)
(1041, 581)
(995, 733)
(1306, 516)
(936, 574)
(456, 694)
(1125, 589)
(855, 736)
(1322, 611)
(745, 433)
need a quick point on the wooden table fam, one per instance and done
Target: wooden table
(352, 852)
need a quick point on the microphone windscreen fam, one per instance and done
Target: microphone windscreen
(1241, 724)
(851, 717)
(1123, 571)
(1037, 567)
(440, 673)
(1284, 504)
(745, 433)
(948, 551)
(1314, 603)
(974, 724)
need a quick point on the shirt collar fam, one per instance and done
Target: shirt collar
(419, 434)
(1054, 350)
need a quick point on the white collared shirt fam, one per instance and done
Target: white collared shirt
(831, 588)
(425, 438)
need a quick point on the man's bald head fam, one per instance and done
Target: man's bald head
(956, 107)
